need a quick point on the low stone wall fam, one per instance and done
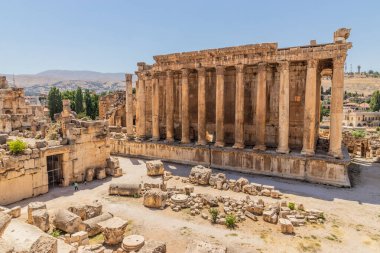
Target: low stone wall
(317, 169)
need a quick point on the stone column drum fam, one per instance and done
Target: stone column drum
(219, 126)
(336, 117)
(310, 109)
(201, 106)
(239, 107)
(283, 109)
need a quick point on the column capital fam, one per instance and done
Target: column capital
(220, 70)
(339, 61)
(155, 74)
(239, 68)
(201, 71)
(283, 65)
(185, 72)
(262, 66)
(312, 63)
(169, 73)
(128, 77)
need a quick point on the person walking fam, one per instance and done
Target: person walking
(76, 186)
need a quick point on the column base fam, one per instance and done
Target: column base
(186, 141)
(140, 138)
(219, 144)
(155, 139)
(130, 137)
(201, 143)
(283, 150)
(336, 154)
(238, 146)
(307, 152)
(170, 140)
(260, 147)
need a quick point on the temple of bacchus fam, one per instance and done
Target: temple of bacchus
(252, 108)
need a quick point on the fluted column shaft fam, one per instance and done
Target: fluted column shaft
(185, 107)
(283, 109)
(169, 107)
(155, 109)
(336, 115)
(219, 107)
(140, 114)
(261, 100)
(201, 106)
(310, 108)
(129, 105)
(239, 107)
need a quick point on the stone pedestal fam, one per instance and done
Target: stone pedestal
(113, 230)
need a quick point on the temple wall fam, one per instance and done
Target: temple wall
(323, 170)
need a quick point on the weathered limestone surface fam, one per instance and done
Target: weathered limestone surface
(6, 247)
(45, 244)
(32, 207)
(91, 225)
(204, 247)
(41, 219)
(67, 221)
(124, 189)
(286, 226)
(113, 230)
(5, 219)
(133, 242)
(155, 198)
(155, 168)
(200, 175)
(153, 247)
(87, 211)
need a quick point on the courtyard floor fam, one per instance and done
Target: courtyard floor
(352, 214)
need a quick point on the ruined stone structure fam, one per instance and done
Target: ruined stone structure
(112, 108)
(253, 103)
(83, 146)
(15, 113)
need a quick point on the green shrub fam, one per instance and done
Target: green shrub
(358, 133)
(56, 233)
(291, 206)
(17, 146)
(231, 221)
(214, 214)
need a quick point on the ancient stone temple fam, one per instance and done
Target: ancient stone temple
(252, 108)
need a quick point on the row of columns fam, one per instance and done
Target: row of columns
(310, 112)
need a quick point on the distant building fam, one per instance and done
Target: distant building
(357, 118)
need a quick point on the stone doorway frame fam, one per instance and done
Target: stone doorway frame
(54, 170)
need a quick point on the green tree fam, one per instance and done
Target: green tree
(375, 101)
(89, 104)
(79, 101)
(54, 102)
(70, 94)
(95, 102)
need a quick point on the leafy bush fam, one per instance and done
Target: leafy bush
(231, 221)
(214, 214)
(17, 146)
(291, 206)
(358, 133)
(56, 233)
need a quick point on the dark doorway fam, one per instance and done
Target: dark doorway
(54, 169)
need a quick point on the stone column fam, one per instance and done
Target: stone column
(155, 109)
(129, 105)
(336, 109)
(283, 109)
(219, 126)
(201, 106)
(185, 107)
(261, 104)
(169, 107)
(140, 115)
(239, 107)
(310, 109)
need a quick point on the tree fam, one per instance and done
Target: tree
(95, 102)
(89, 104)
(70, 94)
(374, 104)
(54, 102)
(79, 101)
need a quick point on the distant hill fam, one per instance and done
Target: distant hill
(68, 80)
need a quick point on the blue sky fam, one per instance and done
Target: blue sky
(113, 35)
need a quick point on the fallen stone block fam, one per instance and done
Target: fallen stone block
(34, 206)
(113, 230)
(124, 189)
(155, 198)
(81, 238)
(270, 216)
(15, 212)
(5, 219)
(200, 175)
(204, 247)
(240, 183)
(133, 243)
(250, 215)
(217, 177)
(94, 248)
(210, 200)
(100, 173)
(90, 173)
(45, 244)
(41, 219)
(153, 247)
(154, 168)
(91, 225)
(87, 211)
(286, 226)
(6, 247)
(113, 163)
(67, 221)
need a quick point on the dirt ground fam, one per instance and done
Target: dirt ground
(352, 214)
